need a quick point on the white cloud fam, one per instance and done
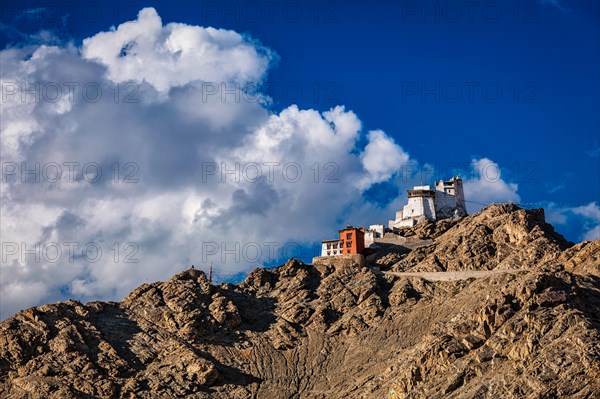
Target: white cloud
(588, 216)
(165, 140)
(591, 215)
(175, 54)
(487, 186)
(593, 234)
(555, 214)
(169, 140)
(590, 210)
(381, 159)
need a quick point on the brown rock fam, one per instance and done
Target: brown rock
(300, 331)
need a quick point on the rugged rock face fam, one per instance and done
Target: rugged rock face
(501, 237)
(302, 331)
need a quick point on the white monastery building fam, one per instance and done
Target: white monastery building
(446, 200)
(332, 248)
(424, 203)
(378, 230)
(374, 231)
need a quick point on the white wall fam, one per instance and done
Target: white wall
(450, 199)
(378, 228)
(419, 206)
(369, 238)
(331, 248)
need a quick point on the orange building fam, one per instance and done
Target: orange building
(353, 240)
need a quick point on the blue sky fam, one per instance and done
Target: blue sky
(379, 57)
(443, 86)
(372, 56)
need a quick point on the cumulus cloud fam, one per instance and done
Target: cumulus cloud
(176, 54)
(381, 158)
(134, 171)
(487, 186)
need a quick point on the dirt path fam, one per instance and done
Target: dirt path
(454, 276)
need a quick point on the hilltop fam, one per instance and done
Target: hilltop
(337, 331)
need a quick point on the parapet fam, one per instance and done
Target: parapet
(339, 260)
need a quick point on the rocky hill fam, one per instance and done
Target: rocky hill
(346, 331)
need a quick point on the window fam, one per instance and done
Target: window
(348, 236)
(348, 244)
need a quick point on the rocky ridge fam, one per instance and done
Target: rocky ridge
(304, 331)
